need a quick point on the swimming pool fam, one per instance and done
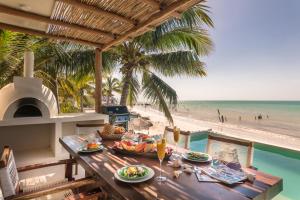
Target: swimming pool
(276, 161)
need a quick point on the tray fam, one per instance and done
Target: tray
(148, 155)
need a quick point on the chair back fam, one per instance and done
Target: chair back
(230, 149)
(184, 137)
(9, 178)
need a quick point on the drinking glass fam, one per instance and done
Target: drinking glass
(161, 151)
(176, 132)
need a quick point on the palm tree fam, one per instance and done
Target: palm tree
(109, 86)
(55, 63)
(78, 87)
(172, 49)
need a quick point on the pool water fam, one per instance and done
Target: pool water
(276, 161)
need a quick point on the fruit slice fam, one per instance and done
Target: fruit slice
(140, 147)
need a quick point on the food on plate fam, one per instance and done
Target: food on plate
(197, 156)
(140, 147)
(146, 146)
(129, 136)
(144, 136)
(119, 130)
(127, 145)
(92, 145)
(149, 147)
(134, 172)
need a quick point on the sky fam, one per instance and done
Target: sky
(256, 54)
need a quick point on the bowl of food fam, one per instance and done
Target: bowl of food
(197, 156)
(133, 172)
(90, 147)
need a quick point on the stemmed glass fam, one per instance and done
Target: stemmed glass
(176, 132)
(161, 151)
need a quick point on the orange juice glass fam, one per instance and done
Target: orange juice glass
(161, 152)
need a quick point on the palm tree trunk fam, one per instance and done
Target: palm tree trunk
(125, 89)
(81, 100)
(56, 94)
(107, 99)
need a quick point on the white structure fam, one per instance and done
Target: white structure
(27, 95)
(29, 120)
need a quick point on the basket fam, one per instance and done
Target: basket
(110, 136)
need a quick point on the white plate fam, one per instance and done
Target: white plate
(84, 150)
(146, 178)
(200, 161)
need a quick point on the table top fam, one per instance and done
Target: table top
(104, 164)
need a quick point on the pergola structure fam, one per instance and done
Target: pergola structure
(98, 23)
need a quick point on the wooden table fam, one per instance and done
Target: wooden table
(104, 164)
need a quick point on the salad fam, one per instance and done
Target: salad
(133, 172)
(197, 156)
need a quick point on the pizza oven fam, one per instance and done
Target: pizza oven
(27, 96)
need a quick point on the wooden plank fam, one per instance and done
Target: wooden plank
(41, 18)
(154, 19)
(43, 34)
(103, 166)
(250, 154)
(221, 138)
(90, 125)
(169, 129)
(43, 165)
(153, 3)
(98, 80)
(98, 10)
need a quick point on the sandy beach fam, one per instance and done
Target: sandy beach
(195, 125)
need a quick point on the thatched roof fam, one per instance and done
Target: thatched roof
(99, 23)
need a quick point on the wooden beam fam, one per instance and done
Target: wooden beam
(153, 3)
(43, 165)
(98, 80)
(177, 14)
(154, 19)
(95, 9)
(41, 18)
(43, 34)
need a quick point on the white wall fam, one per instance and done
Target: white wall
(26, 137)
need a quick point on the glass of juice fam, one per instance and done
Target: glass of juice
(161, 152)
(176, 132)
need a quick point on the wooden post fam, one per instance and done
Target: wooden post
(98, 80)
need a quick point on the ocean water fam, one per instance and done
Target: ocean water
(281, 117)
(272, 160)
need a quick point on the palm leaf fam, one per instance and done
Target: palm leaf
(159, 93)
(177, 63)
(134, 89)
